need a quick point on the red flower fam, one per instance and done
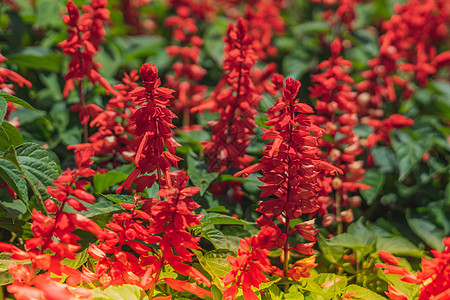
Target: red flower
(153, 123)
(291, 170)
(85, 34)
(248, 267)
(235, 98)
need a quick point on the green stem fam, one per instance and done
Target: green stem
(338, 213)
(83, 104)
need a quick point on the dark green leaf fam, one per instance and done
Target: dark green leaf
(14, 178)
(219, 219)
(398, 245)
(37, 58)
(9, 136)
(19, 227)
(384, 159)
(375, 178)
(104, 181)
(119, 198)
(409, 151)
(427, 231)
(14, 99)
(198, 173)
(214, 235)
(3, 107)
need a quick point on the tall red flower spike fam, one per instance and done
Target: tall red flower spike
(337, 109)
(264, 21)
(291, 170)
(54, 240)
(187, 72)
(434, 277)
(235, 98)
(153, 128)
(341, 12)
(85, 34)
(163, 222)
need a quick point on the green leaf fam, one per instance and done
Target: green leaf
(48, 13)
(14, 99)
(216, 264)
(36, 166)
(375, 178)
(19, 227)
(293, 293)
(37, 58)
(104, 181)
(215, 236)
(119, 198)
(219, 219)
(362, 293)
(198, 173)
(330, 283)
(384, 159)
(9, 136)
(120, 292)
(427, 231)
(81, 258)
(14, 178)
(3, 108)
(398, 245)
(409, 151)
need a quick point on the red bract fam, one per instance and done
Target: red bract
(85, 34)
(337, 112)
(409, 44)
(264, 21)
(114, 131)
(235, 98)
(342, 12)
(382, 128)
(160, 222)
(55, 235)
(434, 277)
(8, 75)
(291, 170)
(152, 123)
(187, 69)
(248, 267)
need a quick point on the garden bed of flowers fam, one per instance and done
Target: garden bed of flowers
(224, 149)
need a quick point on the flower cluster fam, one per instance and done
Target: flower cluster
(340, 12)
(409, 44)
(291, 173)
(85, 34)
(114, 134)
(54, 240)
(248, 267)
(434, 277)
(10, 76)
(152, 129)
(264, 20)
(337, 108)
(140, 229)
(187, 70)
(235, 98)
